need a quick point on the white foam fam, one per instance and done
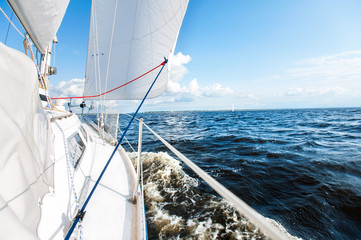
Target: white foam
(166, 184)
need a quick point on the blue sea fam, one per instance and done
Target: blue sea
(300, 168)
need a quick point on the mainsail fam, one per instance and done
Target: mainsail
(26, 170)
(41, 19)
(25, 163)
(127, 39)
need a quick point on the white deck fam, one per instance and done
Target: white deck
(109, 214)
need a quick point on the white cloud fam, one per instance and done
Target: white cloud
(329, 80)
(177, 72)
(178, 89)
(246, 96)
(177, 68)
(216, 90)
(192, 90)
(312, 91)
(71, 88)
(175, 87)
(345, 66)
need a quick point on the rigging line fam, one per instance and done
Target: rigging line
(100, 105)
(54, 44)
(94, 96)
(7, 33)
(110, 45)
(130, 145)
(96, 54)
(103, 107)
(92, 48)
(98, 85)
(81, 213)
(11, 22)
(70, 173)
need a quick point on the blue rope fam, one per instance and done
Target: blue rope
(81, 213)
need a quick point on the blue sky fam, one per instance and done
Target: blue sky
(255, 54)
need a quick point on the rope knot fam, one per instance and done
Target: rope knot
(165, 62)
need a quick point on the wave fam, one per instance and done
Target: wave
(177, 208)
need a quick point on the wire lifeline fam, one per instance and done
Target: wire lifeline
(11, 22)
(101, 94)
(7, 32)
(81, 213)
(70, 174)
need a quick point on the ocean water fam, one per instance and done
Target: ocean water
(299, 168)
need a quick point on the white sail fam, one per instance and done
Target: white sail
(41, 19)
(25, 139)
(127, 39)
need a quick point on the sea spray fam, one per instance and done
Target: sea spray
(176, 208)
(300, 167)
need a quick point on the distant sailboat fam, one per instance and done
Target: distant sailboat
(232, 107)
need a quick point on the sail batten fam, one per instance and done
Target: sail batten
(145, 33)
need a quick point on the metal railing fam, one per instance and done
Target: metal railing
(257, 219)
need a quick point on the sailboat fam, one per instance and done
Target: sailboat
(61, 175)
(52, 160)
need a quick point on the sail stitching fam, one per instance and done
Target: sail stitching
(160, 27)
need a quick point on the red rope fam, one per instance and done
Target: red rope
(113, 88)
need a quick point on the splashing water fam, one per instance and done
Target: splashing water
(177, 208)
(300, 167)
